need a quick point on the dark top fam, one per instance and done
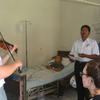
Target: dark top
(56, 65)
(96, 97)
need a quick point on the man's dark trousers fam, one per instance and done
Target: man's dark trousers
(81, 91)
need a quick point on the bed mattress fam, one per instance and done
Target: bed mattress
(59, 75)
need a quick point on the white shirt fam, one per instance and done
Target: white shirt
(89, 46)
(1, 80)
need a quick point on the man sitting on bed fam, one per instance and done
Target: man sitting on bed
(56, 65)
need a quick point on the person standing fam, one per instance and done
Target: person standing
(7, 70)
(87, 49)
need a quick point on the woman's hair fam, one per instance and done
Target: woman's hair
(93, 70)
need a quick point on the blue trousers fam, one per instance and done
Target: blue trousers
(2, 94)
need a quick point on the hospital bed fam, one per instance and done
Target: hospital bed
(28, 87)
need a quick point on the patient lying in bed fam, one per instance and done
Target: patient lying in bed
(56, 65)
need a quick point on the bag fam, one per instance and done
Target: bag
(73, 81)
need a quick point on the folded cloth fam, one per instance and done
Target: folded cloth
(24, 69)
(14, 77)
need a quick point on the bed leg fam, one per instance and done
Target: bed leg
(58, 87)
(23, 78)
(24, 87)
(20, 89)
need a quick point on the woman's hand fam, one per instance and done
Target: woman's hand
(19, 64)
(12, 49)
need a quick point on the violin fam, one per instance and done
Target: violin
(6, 46)
(2, 45)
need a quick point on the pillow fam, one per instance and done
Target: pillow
(65, 61)
(51, 61)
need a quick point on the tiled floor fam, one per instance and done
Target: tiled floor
(69, 94)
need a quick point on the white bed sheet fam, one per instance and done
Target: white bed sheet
(55, 76)
(42, 73)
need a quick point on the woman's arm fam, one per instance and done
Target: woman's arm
(6, 57)
(7, 70)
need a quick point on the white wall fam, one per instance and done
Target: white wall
(55, 26)
(73, 16)
(42, 36)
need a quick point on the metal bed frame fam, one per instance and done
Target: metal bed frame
(18, 87)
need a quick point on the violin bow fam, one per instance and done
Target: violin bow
(9, 52)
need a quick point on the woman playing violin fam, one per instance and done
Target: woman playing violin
(7, 70)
